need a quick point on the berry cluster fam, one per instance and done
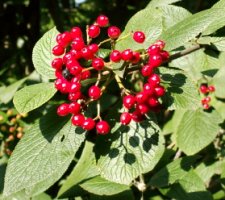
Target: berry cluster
(147, 99)
(205, 89)
(78, 60)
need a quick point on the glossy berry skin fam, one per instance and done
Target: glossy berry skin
(78, 43)
(149, 89)
(113, 32)
(94, 92)
(136, 57)
(154, 79)
(137, 116)
(76, 32)
(127, 55)
(143, 108)
(74, 96)
(153, 102)
(65, 39)
(159, 91)
(87, 53)
(141, 97)
(155, 60)
(206, 100)
(102, 128)
(146, 70)
(204, 89)
(125, 118)
(93, 48)
(78, 120)
(63, 109)
(57, 63)
(115, 56)
(211, 88)
(129, 101)
(165, 55)
(153, 49)
(74, 108)
(139, 37)
(88, 124)
(98, 63)
(85, 75)
(161, 44)
(102, 20)
(58, 50)
(206, 106)
(93, 31)
(75, 87)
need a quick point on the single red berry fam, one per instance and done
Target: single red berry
(76, 32)
(154, 79)
(98, 63)
(94, 92)
(58, 83)
(206, 100)
(129, 101)
(78, 43)
(78, 120)
(127, 55)
(68, 57)
(113, 32)
(139, 36)
(58, 74)
(141, 97)
(65, 87)
(58, 50)
(125, 118)
(88, 124)
(85, 75)
(211, 88)
(137, 116)
(93, 48)
(75, 79)
(66, 38)
(146, 70)
(93, 31)
(204, 89)
(143, 108)
(206, 106)
(165, 55)
(75, 87)
(153, 49)
(74, 67)
(87, 53)
(153, 102)
(58, 38)
(57, 63)
(155, 60)
(159, 91)
(149, 89)
(74, 96)
(161, 44)
(115, 56)
(102, 20)
(74, 108)
(63, 109)
(102, 127)
(76, 54)
(136, 57)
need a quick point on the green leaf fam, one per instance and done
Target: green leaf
(187, 29)
(173, 172)
(42, 196)
(217, 42)
(8, 92)
(181, 93)
(128, 194)
(219, 106)
(195, 132)
(129, 151)
(42, 54)
(33, 96)
(103, 53)
(85, 169)
(157, 3)
(42, 156)
(219, 82)
(101, 186)
(190, 187)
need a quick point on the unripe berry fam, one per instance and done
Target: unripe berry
(129, 101)
(98, 63)
(139, 36)
(125, 118)
(102, 20)
(115, 56)
(146, 70)
(113, 32)
(94, 92)
(58, 50)
(93, 31)
(78, 120)
(63, 109)
(57, 63)
(127, 55)
(74, 108)
(102, 127)
(88, 124)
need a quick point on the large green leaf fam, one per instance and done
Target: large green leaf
(157, 3)
(42, 156)
(129, 151)
(173, 172)
(8, 92)
(219, 82)
(42, 54)
(85, 169)
(181, 92)
(196, 130)
(33, 96)
(187, 29)
(216, 42)
(101, 186)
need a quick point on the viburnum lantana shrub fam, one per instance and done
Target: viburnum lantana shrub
(142, 107)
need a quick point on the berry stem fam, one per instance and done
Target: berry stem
(104, 41)
(108, 81)
(98, 111)
(121, 86)
(87, 69)
(88, 38)
(124, 37)
(98, 78)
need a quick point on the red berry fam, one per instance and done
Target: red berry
(165, 55)
(141, 97)
(76, 54)
(57, 63)
(102, 20)
(75, 87)
(113, 32)
(137, 116)
(94, 92)
(125, 118)
(63, 109)
(78, 120)
(203, 89)
(147, 70)
(85, 75)
(136, 57)
(66, 38)
(159, 91)
(129, 101)
(74, 68)
(211, 88)
(68, 57)
(93, 31)
(74, 96)
(62, 85)
(78, 43)
(154, 80)
(143, 108)
(149, 89)
(139, 36)
(161, 44)
(75, 79)
(115, 56)
(206, 106)
(155, 60)
(153, 49)
(153, 102)
(127, 55)
(98, 63)
(74, 108)
(58, 50)
(93, 48)
(76, 32)
(206, 100)
(102, 127)
(87, 53)
(58, 74)
(88, 124)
